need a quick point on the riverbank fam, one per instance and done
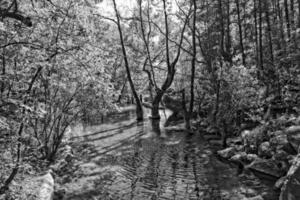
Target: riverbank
(127, 160)
(270, 151)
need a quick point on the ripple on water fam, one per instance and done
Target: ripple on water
(131, 163)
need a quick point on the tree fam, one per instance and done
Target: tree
(170, 64)
(139, 109)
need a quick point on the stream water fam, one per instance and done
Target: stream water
(130, 161)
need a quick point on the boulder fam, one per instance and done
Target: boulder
(293, 136)
(251, 157)
(280, 155)
(256, 198)
(234, 141)
(280, 142)
(291, 187)
(264, 150)
(227, 153)
(239, 157)
(46, 189)
(253, 138)
(275, 133)
(297, 121)
(279, 183)
(265, 168)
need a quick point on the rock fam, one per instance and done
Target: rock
(252, 139)
(275, 133)
(59, 194)
(293, 136)
(297, 121)
(280, 142)
(279, 183)
(227, 153)
(251, 157)
(265, 168)
(291, 159)
(291, 187)
(234, 141)
(280, 155)
(46, 190)
(256, 198)
(239, 147)
(264, 150)
(239, 157)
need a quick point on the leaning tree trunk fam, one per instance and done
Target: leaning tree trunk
(139, 109)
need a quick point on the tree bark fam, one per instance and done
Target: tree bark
(191, 108)
(240, 32)
(281, 28)
(221, 21)
(261, 62)
(269, 31)
(228, 36)
(292, 14)
(287, 19)
(298, 13)
(256, 37)
(186, 112)
(139, 109)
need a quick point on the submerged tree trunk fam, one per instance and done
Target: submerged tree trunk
(139, 108)
(187, 115)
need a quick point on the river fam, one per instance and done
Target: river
(129, 161)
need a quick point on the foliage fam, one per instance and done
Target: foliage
(61, 62)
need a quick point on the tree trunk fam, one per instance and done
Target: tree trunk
(281, 28)
(292, 14)
(256, 37)
(155, 105)
(222, 31)
(139, 109)
(228, 36)
(3, 70)
(240, 31)
(298, 13)
(269, 31)
(287, 19)
(191, 108)
(186, 112)
(261, 62)
(170, 65)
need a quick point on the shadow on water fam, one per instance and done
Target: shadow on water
(141, 161)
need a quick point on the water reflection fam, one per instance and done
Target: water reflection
(133, 161)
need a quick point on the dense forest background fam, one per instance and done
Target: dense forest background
(233, 63)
